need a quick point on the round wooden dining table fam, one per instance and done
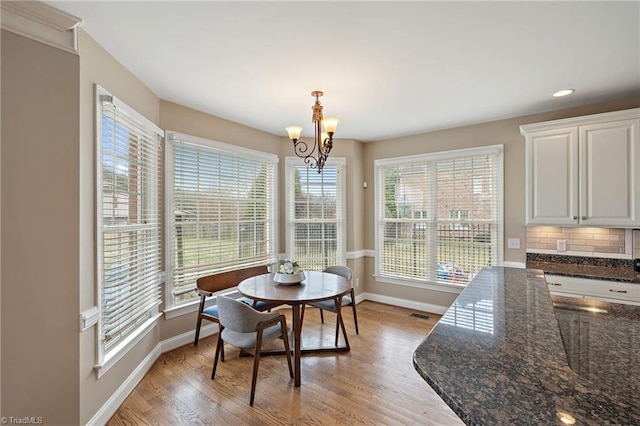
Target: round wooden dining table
(316, 287)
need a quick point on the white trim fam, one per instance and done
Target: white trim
(41, 22)
(370, 253)
(122, 348)
(220, 146)
(358, 254)
(110, 407)
(169, 177)
(123, 108)
(606, 117)
(404, 303)
(497, 149)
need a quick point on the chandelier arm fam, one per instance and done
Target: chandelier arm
(301, 149)
(311, 161)
(328, 144)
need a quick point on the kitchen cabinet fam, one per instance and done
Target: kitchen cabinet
(584, 171)
(608, 291)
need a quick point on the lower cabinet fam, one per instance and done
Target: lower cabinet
(609, 291)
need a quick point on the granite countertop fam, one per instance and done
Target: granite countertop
(585, 267)
(497, 355)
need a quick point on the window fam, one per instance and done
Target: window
(221, 213)
(315, 213)
(128, 153)
(439, 216)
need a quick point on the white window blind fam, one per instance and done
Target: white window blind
(316, 236)
(439, 215)
(222, 210)
(128, 220)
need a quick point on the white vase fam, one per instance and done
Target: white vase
(289, 279)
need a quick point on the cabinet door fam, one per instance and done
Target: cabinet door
(552, 177)
(610, 174)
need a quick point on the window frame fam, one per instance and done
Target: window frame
(380, 164)
(153, 192)
(173, 309)
(341, 217)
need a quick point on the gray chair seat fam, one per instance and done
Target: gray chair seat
(329, 305)
(248, 340)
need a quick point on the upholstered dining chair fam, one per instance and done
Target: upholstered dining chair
(249, 329)
(347, 300)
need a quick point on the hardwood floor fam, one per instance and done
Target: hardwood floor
(375, 383)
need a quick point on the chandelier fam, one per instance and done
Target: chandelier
(323, 141)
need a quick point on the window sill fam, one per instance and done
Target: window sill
(426, 285)
(125, 346)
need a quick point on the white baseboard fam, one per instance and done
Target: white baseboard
(111, 406)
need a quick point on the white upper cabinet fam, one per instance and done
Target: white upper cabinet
(584, 171)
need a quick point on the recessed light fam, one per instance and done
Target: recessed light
(563, 92)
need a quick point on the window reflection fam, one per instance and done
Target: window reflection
(473, 316)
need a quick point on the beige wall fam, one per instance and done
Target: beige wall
(40, 231)
(506, 132)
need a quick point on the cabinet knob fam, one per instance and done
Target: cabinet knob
(575, 218)
(617, 291)
(584, 218)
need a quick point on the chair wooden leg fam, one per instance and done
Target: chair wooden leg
(256, 363)
(198, 324)
(287, 350)
(321, 316)
(301, 314)
(219, 349)
(355, 316)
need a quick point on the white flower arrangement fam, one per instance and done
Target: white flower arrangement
(288, 266)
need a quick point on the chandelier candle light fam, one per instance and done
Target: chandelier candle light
(323, 141)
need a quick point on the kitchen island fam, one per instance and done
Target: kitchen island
(497, 355)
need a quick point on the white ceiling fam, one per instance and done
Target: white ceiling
(387, 69)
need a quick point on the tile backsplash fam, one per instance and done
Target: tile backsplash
(636, 243)
(594, 241)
